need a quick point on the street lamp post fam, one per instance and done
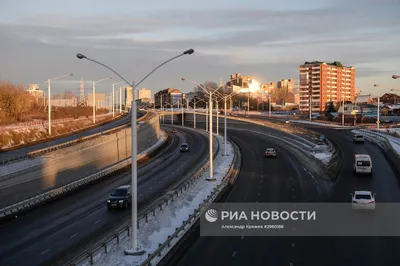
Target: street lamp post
(49, 97)
(269, 102)
(94, 97)
(183, 123)
(216, 102)
(206, 117)
(211, 177)
(378, 109)
(343, 110)
(135, 248)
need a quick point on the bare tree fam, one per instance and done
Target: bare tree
(68, 95)
(280, 95)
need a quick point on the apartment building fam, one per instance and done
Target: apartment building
(241, 81)
(167, 97)
(325, 82)
(144, 93)
(287, 84)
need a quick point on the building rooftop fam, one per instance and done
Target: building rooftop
(336, 63)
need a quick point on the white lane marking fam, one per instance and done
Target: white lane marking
(44, 252)
(242, 237)
(291, 264)
(258, 193)
(97, 222)
(293, 189)
(234, 254)
(140, 195)
(294, 196)
(293, 244)
(74, 235)
(151, 188)
(260, 187)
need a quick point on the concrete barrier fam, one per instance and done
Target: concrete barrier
(61, 167)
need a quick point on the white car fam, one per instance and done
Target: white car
(270, 152)
(363, 200)
(358, 138)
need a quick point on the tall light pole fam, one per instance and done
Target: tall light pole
(183, 123)
(49, 97)
(378, 111)
(135, 248)
(210, 92)
(120, 96)
(94, 98)
(206, 117)
(120, 99)
(172, 113)
(343, 110)
(269, 102)
(194, 111)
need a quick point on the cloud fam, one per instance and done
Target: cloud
(267, 43)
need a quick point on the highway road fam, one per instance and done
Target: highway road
(47, 232)
(263, 180)
(23, 150)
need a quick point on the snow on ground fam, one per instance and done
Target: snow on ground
(17, 166)
(392, 131)
(322, 153)
(157, 230)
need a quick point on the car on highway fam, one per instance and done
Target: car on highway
(362, 164)
(357, 138)
(184, 147)
(270, 152)
(174, 130)
(120, 198)
(363, 200)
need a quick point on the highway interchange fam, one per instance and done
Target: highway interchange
(47, 232)
(280, 180)
(50, 231)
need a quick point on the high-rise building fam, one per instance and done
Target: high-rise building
(99, 97)
(128, 97)
(287, 84)
(323, 83)
(168, 97)
(144, 94)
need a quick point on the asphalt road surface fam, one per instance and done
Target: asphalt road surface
(43, 234)
(23, 150)
(262, 180)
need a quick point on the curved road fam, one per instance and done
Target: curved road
(48, 232)
(279, 180)
(23, 150)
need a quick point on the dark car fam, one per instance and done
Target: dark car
(120, 198)
(174, 130)
(184, 147)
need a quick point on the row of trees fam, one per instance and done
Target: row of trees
(15, 102)
(17, 105)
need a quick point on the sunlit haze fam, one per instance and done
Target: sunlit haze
(262, 38)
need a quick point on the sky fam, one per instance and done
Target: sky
(264, 38)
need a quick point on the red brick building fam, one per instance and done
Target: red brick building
(325, 82)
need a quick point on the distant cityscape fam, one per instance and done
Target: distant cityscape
(323, 86)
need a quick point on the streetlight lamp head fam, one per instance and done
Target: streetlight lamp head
(376, 85)
(80, 56)
(183, 78)
(395, 76)
(71, 74)
(190, 51)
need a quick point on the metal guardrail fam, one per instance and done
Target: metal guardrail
(125, 228)
(196, 214)
(380, 140)
(28, 203)
(66, 144)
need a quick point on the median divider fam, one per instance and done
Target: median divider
(101, 246)
(44, 197)
(173, 241)
(70, 143)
